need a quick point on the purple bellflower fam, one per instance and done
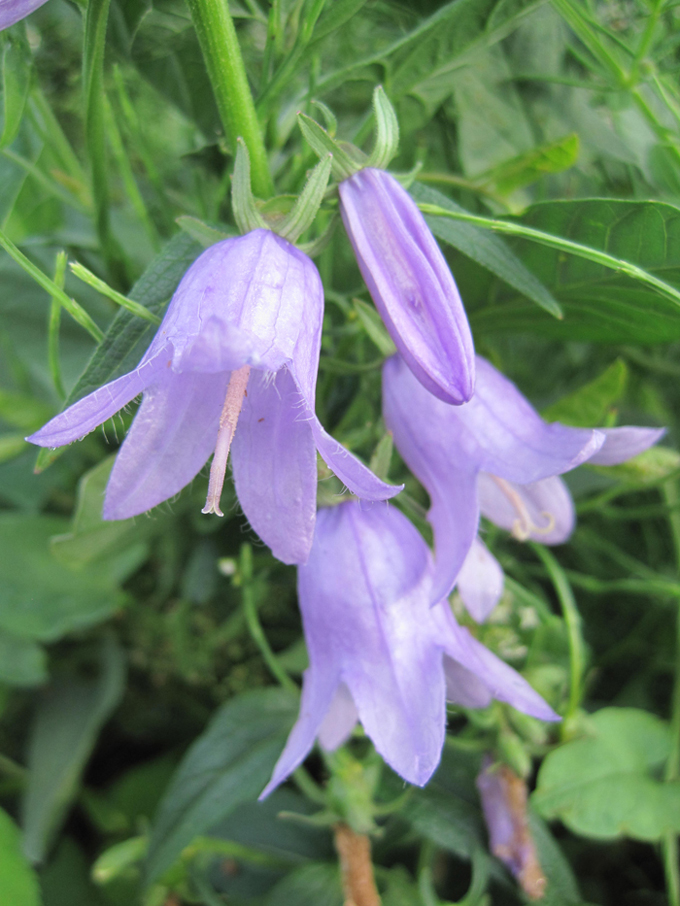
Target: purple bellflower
(379, 653)
(410, 283)
(239, 342)
(12, 11)
(496, 455)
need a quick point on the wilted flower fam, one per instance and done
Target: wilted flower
(504, 802)
(496, 455)
(379, 653)
(410, 283)
(239, 341)
(12, 11)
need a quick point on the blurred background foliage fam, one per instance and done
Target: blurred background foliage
(139, 719)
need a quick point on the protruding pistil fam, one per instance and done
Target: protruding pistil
(236, 392)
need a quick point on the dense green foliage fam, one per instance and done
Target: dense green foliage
(139, 714)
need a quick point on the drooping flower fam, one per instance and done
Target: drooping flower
(379, 653)
(12, 11)
(240, 341)
(496, 455)
(504, 802)
(410, 283)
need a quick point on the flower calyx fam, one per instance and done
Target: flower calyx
(348, 159)
(285, 215)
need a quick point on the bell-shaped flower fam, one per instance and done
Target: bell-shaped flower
(12, 11)
(239, 342)
(379, 653)
(494, 455)
(410, 282)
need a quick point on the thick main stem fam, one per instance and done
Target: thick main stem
(236, 391)
(358, 882)
(222, 55)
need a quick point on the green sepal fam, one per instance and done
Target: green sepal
(386, 131)
(246, 215)
(307, 206)
(322, 144)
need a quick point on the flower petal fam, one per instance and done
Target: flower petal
(435, 453)
(274, 464)
(502, 681)
(542, 510)
(623, 443)
(512, 439)
(340, 720)
(463, 687)
(351, 471)
(172, 436)
(364, 601)
(410, 283)
(94, 409)
(318, 689)
(12, 11)
(252, 296)
(480, 581)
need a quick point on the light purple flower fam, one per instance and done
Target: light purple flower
(410, 283)
(496, 455)
(12, 11)
(379, 653)
(243, 329)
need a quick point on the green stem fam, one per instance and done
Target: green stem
(670, 843)
(222, 55)
(572, 619)
(253, 622)
(53, 328)
(76, 311)
(560, 243)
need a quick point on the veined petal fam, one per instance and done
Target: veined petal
(12, 11)
(364, 601)
(94, 409)
(410, 283)
(480, 581)
(318, 688)
(255, 295)
(502, 681)
(171, 437)
(274, 464)
(542, 510)
(623, 443)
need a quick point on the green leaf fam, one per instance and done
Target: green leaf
(311, 885)
(590, 406)
(599, 303)
(121, 542)
(18, 881)
(65, 729)
(604, 785)
(226, 766)
(488, 250)
(41, 598)
(119, 859)
(201, 232)
(649, 467)
(562, 887)
(22, 662)
(554, 157)
(17, 68)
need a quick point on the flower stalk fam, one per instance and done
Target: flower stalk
(224, 62)
(358, 881)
